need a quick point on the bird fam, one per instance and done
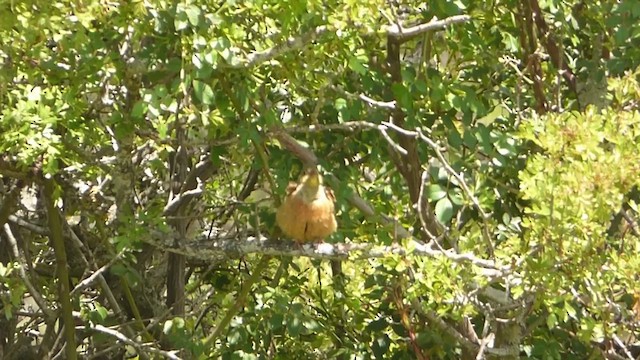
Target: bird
(307, 214)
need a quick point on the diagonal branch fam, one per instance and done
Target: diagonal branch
(291, 44)
(139, 347)
(437, 321)
(404, 34)
(37, 297)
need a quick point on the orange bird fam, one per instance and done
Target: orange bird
(307, 213)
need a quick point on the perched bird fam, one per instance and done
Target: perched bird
(307, 212)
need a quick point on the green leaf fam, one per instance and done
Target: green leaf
(380, 346)
(456, 196)
(294, 326)
(101, 311)
(193, 13)
(138, 109)
(377, 325)
(570, 310)
(552, 321)
(402, 95)
(340, 103)
(181, 20)
(444, 210)
(435, 192)
(356, 65)
(203, 92)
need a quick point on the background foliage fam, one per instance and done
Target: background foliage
(499, 148)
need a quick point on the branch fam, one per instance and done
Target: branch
(555, 51)
(291, 44)
(141, 348)
(9, 202)
(437, 321)
(398, 32)
(86, 282)
(56, 236)
(207, 248)
(460, 180)
(307, 157)
(9, 170)
(37, 297)
(390, 105)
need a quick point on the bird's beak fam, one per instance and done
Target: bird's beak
(312, 177)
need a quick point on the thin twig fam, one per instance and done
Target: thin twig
(37, 297)
(139, 347)
(626, 351)
(389, 105)
(463, 184)
(86, 282)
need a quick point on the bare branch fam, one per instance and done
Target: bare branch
(29, 226)
(403, 34)
(56, 235)
(305, 155)
(437, 321)
(452, 172)
(631, 221)
(182, 198)
(139, 347)
(95, 275)
(37, 297)
(207, 248)
(389, 105)
(291, 44)
(619, 342)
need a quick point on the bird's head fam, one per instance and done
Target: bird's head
(311, 177)
(311, 182)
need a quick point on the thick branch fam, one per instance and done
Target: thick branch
(57, 240)
(206, 248)
(291, 144)
(404, 34)
(554, 51)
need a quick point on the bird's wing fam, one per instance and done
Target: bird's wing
(330, 194)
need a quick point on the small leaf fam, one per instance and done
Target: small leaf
(138, 110)
(402, 95)
(101, 311)
(456, 197)
(571, 312)
(340, 104)
(377, 325)
(203, 92)
(181, 20)
(167, 326)
(294, 326)
(444, 210)
(552, 321)
(356, 65)
(435, 192)
(193, 13)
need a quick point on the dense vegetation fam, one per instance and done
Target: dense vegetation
(484, 157)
